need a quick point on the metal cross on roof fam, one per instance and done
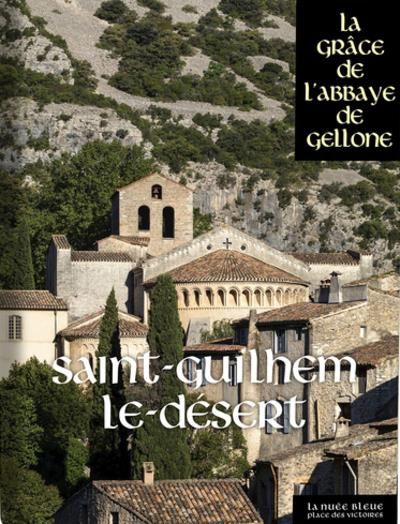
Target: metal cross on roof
(227, 243)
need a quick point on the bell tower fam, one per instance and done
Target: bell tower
(155, 209)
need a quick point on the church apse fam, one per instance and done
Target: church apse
(157, 208)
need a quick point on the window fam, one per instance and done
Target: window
(280, 341)
(242, 335)
(345, 410)
(201, 367)
(363, 331)
(196, 294)
(233, 372)
(156, 192)
(144, 218)
(298, 334)
(168, 222)
(114, 517)
(361, 380)
(279, 372)
(283, 418)
(15, 327)
(307, 488)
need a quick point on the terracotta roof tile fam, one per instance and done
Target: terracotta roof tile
(359, 450)
(213, 348)
(371, 354)
(61, 241)
(230, 266)
(304, 311)
(133, 240)
(89, 327)
(344, 258)
(100, 256)
(184, 501)
(30, 299)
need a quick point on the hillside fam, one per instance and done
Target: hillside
(202, 92)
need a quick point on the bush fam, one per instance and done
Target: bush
(112, 11)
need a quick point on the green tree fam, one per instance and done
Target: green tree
(218, 453)
(167, 448)
(22, 275)
(25, 498)
(62, 413)
(108, 448)
(20, 433)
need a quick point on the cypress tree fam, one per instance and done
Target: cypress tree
(22, 276)
(108, 447)
(167, 448)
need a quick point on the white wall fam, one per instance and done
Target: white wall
(38, 334)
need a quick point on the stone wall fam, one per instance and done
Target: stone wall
(90, 506)
(174, 195)
(213, 241)
(380, 465)
(342, 331)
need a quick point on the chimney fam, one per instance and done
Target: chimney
(335, 290)
(342, 427)
(148, 473)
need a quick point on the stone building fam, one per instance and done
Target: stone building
(81, 337)
(317, 329)
(346, 464)
(29, 323)
(154, 502)
(371, 397)
(221, 274)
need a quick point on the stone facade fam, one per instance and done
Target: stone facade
(318, 469)
(154, 207)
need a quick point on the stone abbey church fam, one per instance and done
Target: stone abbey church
(219, 275)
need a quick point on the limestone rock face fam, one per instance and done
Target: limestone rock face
(45, 133)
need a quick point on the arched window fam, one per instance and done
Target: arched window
(197, 297)
(287, 297)
(168, 222)
(144, 218)
(156, 192)
(258, 297)
(185, 294)
(268, 297)
(221, 297)
(210, 297)
(246, 298)
(15, 327)
(233, 297)
(279, 297)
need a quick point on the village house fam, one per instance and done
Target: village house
(29, 323)
(81, 338)
(155, 502)
(372, 396)
(348, 463)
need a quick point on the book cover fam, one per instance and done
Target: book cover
(199, 262)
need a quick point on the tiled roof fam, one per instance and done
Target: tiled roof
(133, 240)
(303, 312)
(213, 348)
(359, 450)
(183, 501)
(387, 423)
(30, 299)
(61, 241)
(230, 266)
(167, 179)
(371, 354)
(100, 256)
(89, 327)
(344, 258)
